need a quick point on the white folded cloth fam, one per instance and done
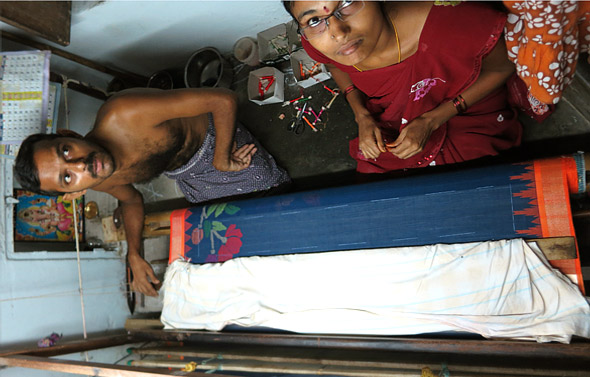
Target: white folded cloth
(500, 289)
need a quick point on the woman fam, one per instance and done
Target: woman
(426, 83)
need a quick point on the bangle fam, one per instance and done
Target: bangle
(460, 104)
(349, 89)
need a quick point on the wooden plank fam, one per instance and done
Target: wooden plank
(274, 367)
(555, 248)
(372, 370)
(326, 360)
(157, 224)
(78, 86)
(140, 323)
(74, 346)
(91, 369)
(48, 19)
(154, 225)
(502, 348)
(131, 78)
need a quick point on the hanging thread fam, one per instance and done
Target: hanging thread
(75, 213)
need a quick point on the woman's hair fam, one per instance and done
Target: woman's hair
(25, 170)
(288, 4)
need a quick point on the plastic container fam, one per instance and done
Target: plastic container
(246, 51)
(207, 68)
(161, 80)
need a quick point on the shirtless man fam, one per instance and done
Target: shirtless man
(139, 134)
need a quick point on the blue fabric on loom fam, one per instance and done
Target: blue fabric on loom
(496, 202)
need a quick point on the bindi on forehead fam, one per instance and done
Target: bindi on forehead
(326, 10)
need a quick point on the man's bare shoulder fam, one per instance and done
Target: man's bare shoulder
(127, 108)
(120, 190)
(125, 101)
(144, 108)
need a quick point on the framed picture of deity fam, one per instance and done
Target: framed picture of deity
(47, 218)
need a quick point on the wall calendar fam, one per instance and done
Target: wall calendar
(24, 84)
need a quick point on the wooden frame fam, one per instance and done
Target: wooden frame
(319, 354)
(39, 358)
(324, 354)
(48, 19)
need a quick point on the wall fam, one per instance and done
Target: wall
(39, 291)
(146, 36)
(39, 295)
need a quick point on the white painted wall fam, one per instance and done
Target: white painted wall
(147, 36)
(39, 295)
(39, 291)
(56, 306)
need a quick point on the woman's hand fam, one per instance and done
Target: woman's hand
(370, 138)
(412, 138)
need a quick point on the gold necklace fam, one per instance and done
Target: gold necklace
(399, 51)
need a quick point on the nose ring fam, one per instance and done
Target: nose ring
(332, 37)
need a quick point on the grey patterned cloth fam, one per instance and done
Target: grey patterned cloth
(200, 181)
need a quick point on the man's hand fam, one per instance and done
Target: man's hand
(370, 138)
(412, 138)
(239, 159)
(142, 275)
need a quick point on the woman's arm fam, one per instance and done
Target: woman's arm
(370, 139)
(495, 71)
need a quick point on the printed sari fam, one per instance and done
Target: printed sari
(452, 45)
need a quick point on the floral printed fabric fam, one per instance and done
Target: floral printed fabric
(544, 39)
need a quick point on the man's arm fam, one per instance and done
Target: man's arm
(226, 156)
(151, 107)
(131, 202)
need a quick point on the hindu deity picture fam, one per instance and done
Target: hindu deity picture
(46, 218)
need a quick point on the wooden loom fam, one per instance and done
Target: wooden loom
(554, 180)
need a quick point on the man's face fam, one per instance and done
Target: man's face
(68, 164)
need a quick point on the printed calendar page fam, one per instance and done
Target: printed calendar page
(24, 82)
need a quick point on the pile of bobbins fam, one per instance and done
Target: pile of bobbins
(303, 107)
(264, 84)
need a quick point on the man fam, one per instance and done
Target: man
(140, 133)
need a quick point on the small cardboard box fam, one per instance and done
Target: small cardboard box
(275, 92)
(301, 61)
(273, 44)
(293, 36)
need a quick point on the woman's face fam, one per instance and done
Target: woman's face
(347, 42)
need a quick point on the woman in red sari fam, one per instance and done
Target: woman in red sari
(426, 83)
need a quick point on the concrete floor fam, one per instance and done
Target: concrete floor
(317, 159)
(320, 159)
(310, 154)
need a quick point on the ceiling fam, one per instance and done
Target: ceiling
(144, 37)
